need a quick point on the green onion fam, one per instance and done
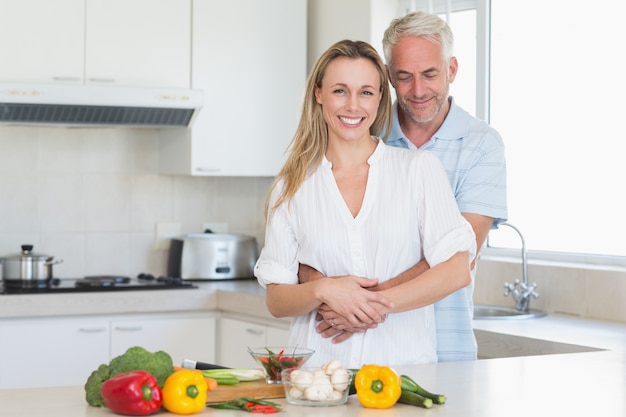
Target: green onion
(233, 376)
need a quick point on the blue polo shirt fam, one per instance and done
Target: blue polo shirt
(472, 154)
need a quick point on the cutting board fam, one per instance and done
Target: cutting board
(254, 389)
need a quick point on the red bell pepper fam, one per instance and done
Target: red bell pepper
(134, 393)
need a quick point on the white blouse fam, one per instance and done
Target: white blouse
(408, 213)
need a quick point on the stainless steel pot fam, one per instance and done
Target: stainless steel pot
(27, 266)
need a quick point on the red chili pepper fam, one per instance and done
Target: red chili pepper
(134, 393)
(260, 408)
(251, 405)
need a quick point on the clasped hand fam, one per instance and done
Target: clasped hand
(367, 312)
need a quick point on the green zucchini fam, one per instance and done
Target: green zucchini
(352, 388)
(411, 398)
(410, 385)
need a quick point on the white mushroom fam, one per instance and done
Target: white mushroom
(319, 374)
(295, 393)
(301, 379)
(320, 390)
(326, 384)
(332, 366)
(336, 395)
(340, 379)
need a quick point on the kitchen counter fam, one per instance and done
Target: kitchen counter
(205, 297)
(572, 385)
(562, 328)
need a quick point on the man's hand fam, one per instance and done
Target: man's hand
(325, 327)
(341, 330)
(351, 301)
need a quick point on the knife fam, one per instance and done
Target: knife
(191, 364)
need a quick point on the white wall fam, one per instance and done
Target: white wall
(92, 197)
(333, 20)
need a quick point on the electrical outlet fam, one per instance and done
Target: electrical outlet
(164, 232)
(215, 227)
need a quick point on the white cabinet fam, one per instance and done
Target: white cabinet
(138, 42)
(237, 335)
(186, 337)
(104, 42)
(51, 352)
(42, 41)
(249, 57)
(64, 351)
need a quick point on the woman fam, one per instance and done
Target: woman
(360, 212)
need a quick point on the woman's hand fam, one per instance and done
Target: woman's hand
(332, 324)
(352, 303)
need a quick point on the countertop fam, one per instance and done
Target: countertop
(205, 297)
(562, 328)
(572, 385)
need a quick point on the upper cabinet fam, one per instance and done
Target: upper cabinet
(249, 57)
(104, 42)
(138, 42)
(42, 41)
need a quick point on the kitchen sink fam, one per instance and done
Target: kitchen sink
(487, 312)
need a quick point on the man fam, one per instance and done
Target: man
(418, 49)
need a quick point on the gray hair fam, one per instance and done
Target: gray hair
(419, 24)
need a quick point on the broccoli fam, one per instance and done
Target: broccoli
(94, 385)
(135, 358)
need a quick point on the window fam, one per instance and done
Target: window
(555, 82)
(543, 74)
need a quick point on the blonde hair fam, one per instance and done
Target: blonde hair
(310, 141)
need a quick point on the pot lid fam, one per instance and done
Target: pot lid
(27, 254)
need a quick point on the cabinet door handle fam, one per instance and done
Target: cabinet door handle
(256, 332)
(92, 329)
(129, 328)
(101, 80)
(204, 169)
(66, 79)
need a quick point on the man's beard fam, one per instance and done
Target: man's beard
(407, 109)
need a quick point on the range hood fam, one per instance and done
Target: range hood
(90, 105)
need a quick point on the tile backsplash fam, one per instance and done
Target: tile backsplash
(565, 289)
(92, 197)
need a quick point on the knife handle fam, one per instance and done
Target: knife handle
(191, 364)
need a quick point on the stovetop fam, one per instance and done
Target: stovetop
(95, 284)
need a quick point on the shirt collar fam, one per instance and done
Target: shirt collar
(375, 156)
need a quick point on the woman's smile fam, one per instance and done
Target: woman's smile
(351, 121)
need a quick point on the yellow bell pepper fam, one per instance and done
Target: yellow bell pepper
(184, 392)
(377, 386)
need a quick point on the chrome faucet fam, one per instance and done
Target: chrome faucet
(521, 291)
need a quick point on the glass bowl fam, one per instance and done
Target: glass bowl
(275, 359)
(316, 389)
